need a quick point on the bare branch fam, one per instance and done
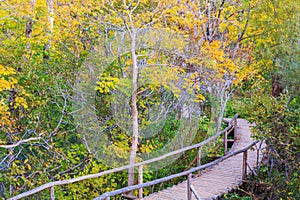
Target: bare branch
(19, 143)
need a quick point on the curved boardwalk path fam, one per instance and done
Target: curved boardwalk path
(220, 178)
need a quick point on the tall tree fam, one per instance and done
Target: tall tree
(50, 7)
(134, 18)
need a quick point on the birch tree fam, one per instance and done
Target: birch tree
(219, 32)
(135, 17)
(50, 7)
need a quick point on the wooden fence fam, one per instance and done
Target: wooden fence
(232, 125)
(187, 173)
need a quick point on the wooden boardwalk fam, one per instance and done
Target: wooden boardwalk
(216, 178)
(220, 178)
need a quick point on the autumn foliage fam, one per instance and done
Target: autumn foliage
(216, 51)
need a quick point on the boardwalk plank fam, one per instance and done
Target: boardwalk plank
(218, 179)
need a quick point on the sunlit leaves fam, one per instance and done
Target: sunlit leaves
(12, 97)
(230, 42)
(106, 84)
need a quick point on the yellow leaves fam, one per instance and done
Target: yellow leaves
(4, 113)
(162, 76)
(223, 26)
(183, 17)
(214, 49)
(218, 60)
(6, 82)
(233, 31)
(6, 85)
(5, 71)
(227, 65)
(148, 147)
(28, 167)
(106, 84)
(200, 98)
(20, 102)
(252, 71)
(222, 63)
(119, 149)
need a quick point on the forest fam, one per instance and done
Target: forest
(91, 85)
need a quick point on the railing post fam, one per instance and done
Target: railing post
(199, 159)
(52, 197)
(235, 128)
(189, 190)
(140, 181)
(244, 177)
(225, 142)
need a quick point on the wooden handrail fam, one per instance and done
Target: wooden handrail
(231, 125)
(185, 173)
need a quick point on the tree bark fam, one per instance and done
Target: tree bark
(29, 24)
(50, 6)
(276, 86)
(135, 127)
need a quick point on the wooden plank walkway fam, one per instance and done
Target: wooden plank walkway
(220, 178)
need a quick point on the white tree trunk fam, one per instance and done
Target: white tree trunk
(32, 4)
(135, 126)
(50, 22)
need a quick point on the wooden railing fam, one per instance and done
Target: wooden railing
(232, 124)
(187, 173)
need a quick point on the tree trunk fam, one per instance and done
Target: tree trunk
(29, 23)
(135, 127)
(50, 25)
(276, 86)
(50, 16)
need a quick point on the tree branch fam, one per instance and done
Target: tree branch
(19, 143)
